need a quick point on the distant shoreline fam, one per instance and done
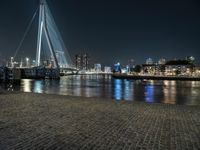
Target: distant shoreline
(141, 77)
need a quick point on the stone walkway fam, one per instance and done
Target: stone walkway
(40, 121)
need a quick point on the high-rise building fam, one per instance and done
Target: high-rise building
(82, 61)
(85, 61)
(131, 63)
(190, 59)
(149, 61)
(161, 61)
(12, 62)
(97, 67)
(78, 61)
(107, 69)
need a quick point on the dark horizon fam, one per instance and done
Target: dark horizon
(109, 31)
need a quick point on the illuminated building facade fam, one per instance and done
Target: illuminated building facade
(82, 61)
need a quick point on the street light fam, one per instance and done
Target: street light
(27, 62)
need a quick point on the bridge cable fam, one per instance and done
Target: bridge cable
(25, 33)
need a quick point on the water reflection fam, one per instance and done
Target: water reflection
(26, 85)
(127, 92)
(149, 95)
(122, 89)
(38, 86)
(117, 85)
(171, 92)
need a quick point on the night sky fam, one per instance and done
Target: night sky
(108, 30)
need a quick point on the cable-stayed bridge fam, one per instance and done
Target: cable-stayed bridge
(50, 41)
(50, 46)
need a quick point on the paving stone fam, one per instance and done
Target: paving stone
(41, 121)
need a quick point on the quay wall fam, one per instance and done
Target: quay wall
(139, 77)
(14, 74)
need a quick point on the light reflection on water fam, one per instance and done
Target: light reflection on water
(117, 89)
(38, 86)
(149, 93)
(171, 92)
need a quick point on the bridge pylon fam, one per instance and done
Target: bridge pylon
(49, 39)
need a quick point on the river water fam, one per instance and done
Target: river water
(104, 86)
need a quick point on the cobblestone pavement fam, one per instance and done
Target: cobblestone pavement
(40, 121)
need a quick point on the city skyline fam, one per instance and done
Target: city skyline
(109, 31)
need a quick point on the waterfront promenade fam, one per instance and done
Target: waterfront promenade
(41, 121)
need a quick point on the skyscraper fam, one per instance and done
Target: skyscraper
(82, 61)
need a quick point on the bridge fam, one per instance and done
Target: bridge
(50, 45)
(50, 49)
(50, 41)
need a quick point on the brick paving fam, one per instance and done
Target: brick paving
(41, 121)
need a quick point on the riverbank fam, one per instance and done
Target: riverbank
(41, 121)
(147, 77)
